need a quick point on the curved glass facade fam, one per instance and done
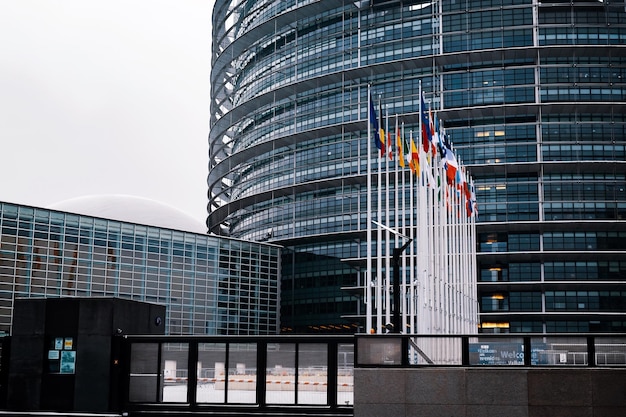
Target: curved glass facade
(209, 285)
(532, 94)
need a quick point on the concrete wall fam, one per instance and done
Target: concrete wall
(490, 392)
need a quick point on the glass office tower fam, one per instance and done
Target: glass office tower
(209, 285)
(531, 93)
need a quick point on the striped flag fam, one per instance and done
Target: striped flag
(399, 145)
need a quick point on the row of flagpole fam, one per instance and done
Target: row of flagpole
(432, 201)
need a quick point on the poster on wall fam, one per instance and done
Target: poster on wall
(69, 343)
(61, 355)
(68, 361)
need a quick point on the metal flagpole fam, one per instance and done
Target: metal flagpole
(412, 235)
(398, 223)
(379, 266)
(368, 268)
(387, 221)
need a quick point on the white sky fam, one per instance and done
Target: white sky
(105, 97)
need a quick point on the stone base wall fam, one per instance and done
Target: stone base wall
(490, 392)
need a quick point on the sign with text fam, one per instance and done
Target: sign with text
(61, 355)
(502, 353)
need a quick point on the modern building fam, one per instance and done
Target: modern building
(532, 94)
(209, 285)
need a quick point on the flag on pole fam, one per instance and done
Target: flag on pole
(426, 133)
(439, 187)
(399, 145)
(415, 162)
(381, 130)
(434, 130)
(374, 122)
(428, 172)
(472, 205)
(450, 164)
(463, 184)
(441, 135)
(460, 180)
(406, 148)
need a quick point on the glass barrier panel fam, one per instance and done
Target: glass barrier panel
(560, 351)
(242, 372)
(174, 360)
(435, 351)
(280, 387)
(496, 351)
(379, 350)
(211, 387)
(312, 373)
(345, 374)
(144, 373)
(610, 351)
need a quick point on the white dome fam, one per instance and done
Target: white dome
(131, 209)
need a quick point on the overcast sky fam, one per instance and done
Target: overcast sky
(105, 97)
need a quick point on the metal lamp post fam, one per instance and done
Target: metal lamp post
(396, 285)
(396, 276)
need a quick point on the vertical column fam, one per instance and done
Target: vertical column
(192, 373)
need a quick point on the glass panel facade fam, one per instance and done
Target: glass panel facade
(209, 285)
(531, 94)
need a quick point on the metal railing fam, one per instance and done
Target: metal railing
(313, 375)
(246, 374)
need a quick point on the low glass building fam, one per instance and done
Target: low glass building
(210, 285)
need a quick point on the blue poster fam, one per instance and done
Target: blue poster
(68, 361)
